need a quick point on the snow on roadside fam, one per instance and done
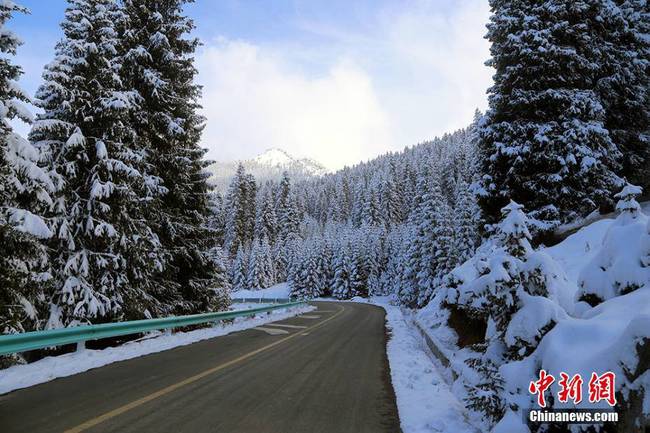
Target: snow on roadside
(46, 369)
(281, 290)
(424, 401)
(238, 306)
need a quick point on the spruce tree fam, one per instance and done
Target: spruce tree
(260, 266)
(305, 280)
(342, 287)
(624, 83)
(287, 212)
(239, 270)
(436, 239)
(105, 254)
(543, 139)
(266, 222)
(24, 187)
(238, 212)
(255, 275)
(466, 222)
(158, 66)
(408, 291)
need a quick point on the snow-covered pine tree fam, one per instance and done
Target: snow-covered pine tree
(238, 212)
(510, 285)
(157, 65)
(255, 276)
(260, 265)
(268, 265)
(305, 279)
(543, 139)
(266, 221)
(105, 255)
(239, 270)
(394, 200)
(624, 83)
(287, 211)
(466, 222)
(24, 187)
(409, 288)
(343, 269)
(371, 212)
(391, 277)
(436, 234)
(324, 267)
(362, 262)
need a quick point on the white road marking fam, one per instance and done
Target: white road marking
(272, 331)
(281, 325)
(305, 333)
(308, 317)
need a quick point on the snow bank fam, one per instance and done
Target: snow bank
(44, 370)
(424, 401)
(609, 259)
(281, 290)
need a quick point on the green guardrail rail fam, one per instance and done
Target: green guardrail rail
(15, 343)
(261, 300)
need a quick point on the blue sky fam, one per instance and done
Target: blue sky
(338, 81)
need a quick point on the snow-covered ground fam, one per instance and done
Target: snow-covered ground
(424, 400)
(236, 306)
(606, 258)
(46, 369)
(281, 290)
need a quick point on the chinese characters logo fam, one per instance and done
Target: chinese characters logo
(601, 388)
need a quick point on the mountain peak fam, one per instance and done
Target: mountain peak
(267, 166)
(274, 156)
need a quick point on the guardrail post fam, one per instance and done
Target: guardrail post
(81, 346)
(168, 331)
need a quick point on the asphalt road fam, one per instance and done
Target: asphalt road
(326, 372)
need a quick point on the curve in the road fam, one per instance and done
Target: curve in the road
(328, 376)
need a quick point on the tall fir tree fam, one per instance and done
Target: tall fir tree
(104, 254)
(305, 280)
(624, 83)
(158, 65)
(260, 266)
(543, 139)
(238, 215)
(287, 212)
(24, 187)
(266, 221)
(239, 270)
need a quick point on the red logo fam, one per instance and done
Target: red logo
(570, 389)
(538, 387)
(600, 388)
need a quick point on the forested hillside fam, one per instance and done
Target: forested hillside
(396, 224)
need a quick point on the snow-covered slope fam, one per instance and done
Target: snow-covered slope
(268, 165)
(281, 290)
(606, 332)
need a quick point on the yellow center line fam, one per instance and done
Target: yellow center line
(171, 388)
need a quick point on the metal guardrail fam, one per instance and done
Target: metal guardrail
(262, 300)
(15, 343)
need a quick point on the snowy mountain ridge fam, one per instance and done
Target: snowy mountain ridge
(268, 165)
(279, 158)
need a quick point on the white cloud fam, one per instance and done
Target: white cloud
(413, 72)
(256, 98)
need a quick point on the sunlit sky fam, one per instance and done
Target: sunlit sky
(339, 81)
